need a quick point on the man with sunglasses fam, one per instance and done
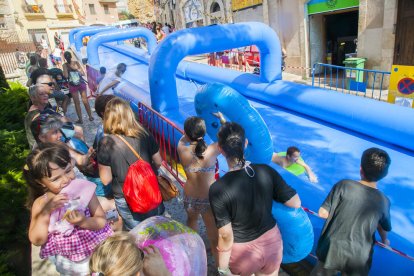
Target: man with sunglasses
(50, 84)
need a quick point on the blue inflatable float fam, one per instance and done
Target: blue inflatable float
(295, 226)
(216, 97)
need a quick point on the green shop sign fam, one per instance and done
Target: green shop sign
(319, 6)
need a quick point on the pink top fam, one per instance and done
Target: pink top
(69, 240)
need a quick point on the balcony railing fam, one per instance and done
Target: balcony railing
(33, 11)
(64, 11)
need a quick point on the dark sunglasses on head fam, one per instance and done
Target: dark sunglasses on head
(48, 83)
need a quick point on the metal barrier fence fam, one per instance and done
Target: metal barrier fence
(362, 82)
(167, 135)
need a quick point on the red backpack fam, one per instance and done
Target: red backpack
(141, 190)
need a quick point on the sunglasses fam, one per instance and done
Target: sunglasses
(48, 83)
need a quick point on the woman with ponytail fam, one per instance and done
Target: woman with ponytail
(249, 240)
(199, 162)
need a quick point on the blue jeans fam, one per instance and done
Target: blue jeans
(131, 219)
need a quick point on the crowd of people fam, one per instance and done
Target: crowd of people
(63, 173)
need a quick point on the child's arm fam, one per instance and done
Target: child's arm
(40, 217)
(383, 234)
(97, 220)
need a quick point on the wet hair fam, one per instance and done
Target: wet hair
(291, 150)
(374, 164)
(195, 129)
(100, 104)
(42, 63)
(121, 68)
(68, 56)
(102, 70)
(231, 139)
(120, 119)
(38, 166)
(43, 123)
(117, 255)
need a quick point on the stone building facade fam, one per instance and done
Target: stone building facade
(311, 31)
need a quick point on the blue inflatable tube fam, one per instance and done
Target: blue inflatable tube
(296, 230)
(217, 97)
(178, 45)
(118, 35)
(73, 31)
(89, 32)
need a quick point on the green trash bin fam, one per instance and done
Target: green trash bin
(355, 78)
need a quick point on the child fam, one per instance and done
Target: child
(67, 220)
(118, 255)
(354, 210)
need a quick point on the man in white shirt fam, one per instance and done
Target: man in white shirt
(111, 80)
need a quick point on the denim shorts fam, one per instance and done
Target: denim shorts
(131, 219)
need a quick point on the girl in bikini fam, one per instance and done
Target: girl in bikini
(199, 161)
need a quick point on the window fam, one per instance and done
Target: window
(215, 7)
(106, 9)
(92, 8)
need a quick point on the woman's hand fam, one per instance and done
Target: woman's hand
(220, 116)
(58, 201)
(75, 217)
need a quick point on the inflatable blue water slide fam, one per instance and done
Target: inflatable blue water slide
(331, 129)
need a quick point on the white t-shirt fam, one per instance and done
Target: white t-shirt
(166, 30)
(57, 52)
(109, 77)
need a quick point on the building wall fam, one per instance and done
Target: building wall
(376, 37)
(100, 17)
(47, 21)
(302, 36)
(249, 14)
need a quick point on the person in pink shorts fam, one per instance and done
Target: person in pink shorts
(249, 240)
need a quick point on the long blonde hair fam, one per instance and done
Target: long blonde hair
(117, 255)
(119, 119)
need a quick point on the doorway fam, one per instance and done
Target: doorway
(341, 36)
(333, 36)
(404, 39)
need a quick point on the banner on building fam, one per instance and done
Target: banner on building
(243, 4)
(401, 90)
(320, 6)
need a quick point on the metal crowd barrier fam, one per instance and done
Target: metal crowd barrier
(167, 135)
(362, 82)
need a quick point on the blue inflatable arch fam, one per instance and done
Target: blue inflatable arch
(88, 32)
(118, 35)
(74, 31)
(209, 39)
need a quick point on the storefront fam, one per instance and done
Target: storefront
(333, 30)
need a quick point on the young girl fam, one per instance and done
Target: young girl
(119, 255)
(67, 220)
(73, 71)
(199, 161)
